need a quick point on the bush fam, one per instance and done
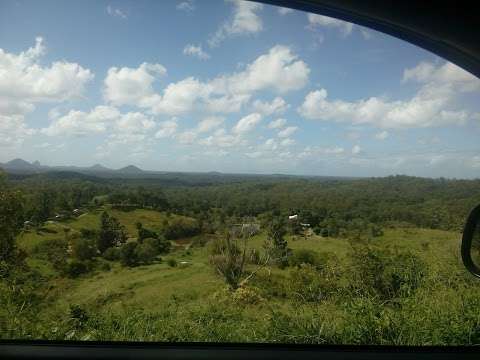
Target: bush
(303, 256)
(271, 285)
(104, 266)
(54, 251)
(76, 268)
(247, 295)
(172, 262)
(145, 253)
(88, 233)
(180, 227)
(228, 260)
(112, 254)
(128, 255)
(160, 244)
(84, 249)
(78, 316)
(309, 285)
(386, 274)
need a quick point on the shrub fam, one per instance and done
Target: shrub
(144, 233)
(180, 227)
(84, 249)
(386, 274)
(309, 285)
(104, 266)
(112, 254)
(376, 230)
(228, 260)
(172, 262)
(78, 316)
(303, 256)
(271, 285)
(128, 255)
(199, 241)
(54, 251)
(160, 244)
(88, 233)
(247, 295)
(76, 268)
(145, 253)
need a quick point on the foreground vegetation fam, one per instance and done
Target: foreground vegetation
(378, 264)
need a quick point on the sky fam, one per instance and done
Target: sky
(230, 86)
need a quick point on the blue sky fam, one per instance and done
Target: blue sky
(228, 86)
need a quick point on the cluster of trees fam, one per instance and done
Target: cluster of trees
(331, 206)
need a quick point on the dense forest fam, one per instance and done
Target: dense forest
(85, 256)
(322, 202)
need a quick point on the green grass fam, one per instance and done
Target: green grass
(190, 303)
(150, 219)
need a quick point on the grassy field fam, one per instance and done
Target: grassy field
(190, 302)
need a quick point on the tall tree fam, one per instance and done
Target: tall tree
(11, 219)
(112, 233)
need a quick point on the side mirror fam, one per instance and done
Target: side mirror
(471, 242)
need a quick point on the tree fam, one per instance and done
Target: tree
(228, 259)
(146, 252)
(228, 256)
(84, 249)
(112, 233)
(11, 219)
(276, 244)
(128, 255)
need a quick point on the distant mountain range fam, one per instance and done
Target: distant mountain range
(20, 166)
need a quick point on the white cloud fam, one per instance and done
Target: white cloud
(210, 123)
(13, 130)
(98, 121)
(254, 154)
(285, 133)
(167, 129)
(284, 10)
(277, 124)
(129, 86)
(79, 123)
(187, 6)
(134, 122)
(244, 21)
(313, 152)
(449, 77)
(187, 137)
(325, 21)
(279, 70)
(277, 106)
(24, 82)
(270, 145)
(356, 150)
(430, 106)
(247, 123)
(116, 12)
(287, 142)
(222, 139)
(196, 51)
(382, 135)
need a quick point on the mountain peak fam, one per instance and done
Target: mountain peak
(19, 164)
(130, 169)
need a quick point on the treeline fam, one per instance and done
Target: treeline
(328, 205)
(337, 204)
